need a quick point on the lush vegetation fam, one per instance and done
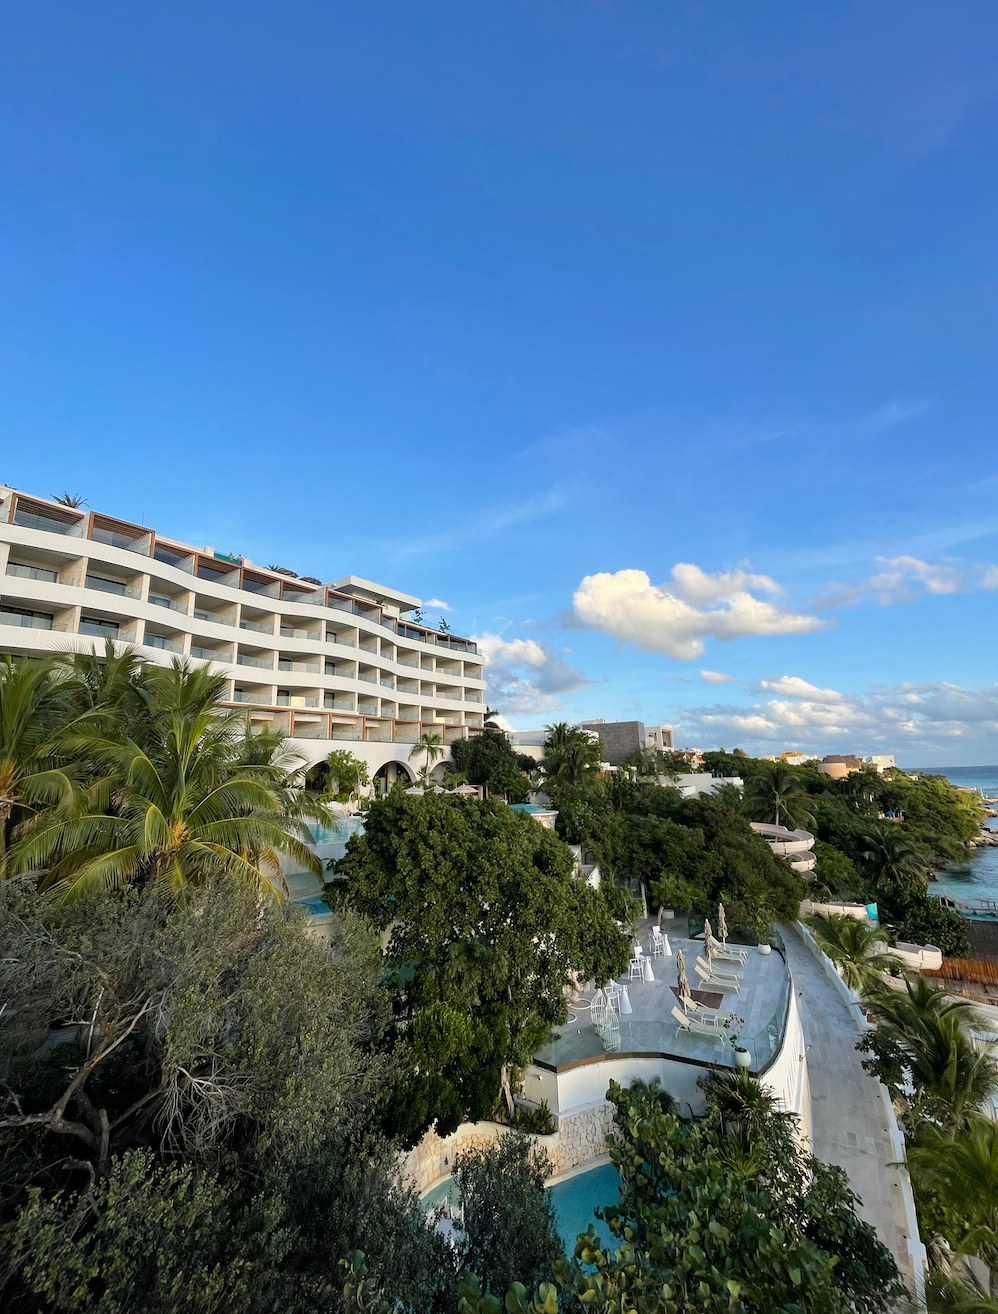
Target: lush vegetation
(878, 837)
(489, 760)
(722, 1212)
(487, 928)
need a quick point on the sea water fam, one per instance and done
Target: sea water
(979, 878)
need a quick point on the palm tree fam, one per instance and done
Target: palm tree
(431, 746)
(953, 1076)
(854, 947)
(35, 705)
(490, 722)
(571, 766)
(963, 1170)
(892, 857)
(171, 804)
(72, 500)
(776, 794)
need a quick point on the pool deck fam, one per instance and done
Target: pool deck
(651, 1028)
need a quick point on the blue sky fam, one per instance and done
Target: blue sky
(522, 306)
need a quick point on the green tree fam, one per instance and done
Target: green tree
(509, 1231)
(487, 927)
(854, 947)
(488, 759)
(776, 794)
(925, 1054)
(170, 807)
(35, 706)
(431, 747)
(571, 756)
(345, 774)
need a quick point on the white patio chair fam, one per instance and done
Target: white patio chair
(710, 967)
(635, 969)
(739, 956)
(698, 1010)
(696, 1028)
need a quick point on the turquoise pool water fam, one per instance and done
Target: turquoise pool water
(340, 833)
(574, 1201)
(313, 904)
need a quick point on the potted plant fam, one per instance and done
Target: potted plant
(762, 927)
(743, 1059)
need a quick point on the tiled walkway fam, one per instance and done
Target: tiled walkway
(849, 1116)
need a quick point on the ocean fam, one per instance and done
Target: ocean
(979, 879)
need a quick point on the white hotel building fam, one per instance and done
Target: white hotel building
(335, 662)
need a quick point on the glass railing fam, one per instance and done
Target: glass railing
(215, 617)
(407, 688)
(29, 620)
(338, 704)
(257, 626)
(106, 585)
(388, 684)
(367, 709)
(32, 572)
(100, 630)
(407, 661)
(30, 521)
(288, 633)
(296, 700)
(113, 539)
(245, 696)
(671, 1041)
(335, 638)
(298, 666)
(210, 655)
(368, 679)
(158, 600)
(261, 662)
(158, 641)
(345, 732)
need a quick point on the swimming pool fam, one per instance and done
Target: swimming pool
(574, 1201)
(340, 833)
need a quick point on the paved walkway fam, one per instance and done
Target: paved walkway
(848, 1111)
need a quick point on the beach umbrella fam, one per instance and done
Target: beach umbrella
(722, 923)
(708, 939)
(684, 985)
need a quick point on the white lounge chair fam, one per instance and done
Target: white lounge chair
(697, 1028)
(698, 1010)
(719, 982)
(731, 955)
(714, 970)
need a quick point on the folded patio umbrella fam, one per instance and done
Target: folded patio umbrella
(684, 985)
(708, 939)
(722, 923)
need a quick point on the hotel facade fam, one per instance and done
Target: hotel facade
(323, 663)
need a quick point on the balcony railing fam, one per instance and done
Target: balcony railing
(407, 661)
(32, 572)
(336, 638)
(210, 654)
(250, 696)
(29, 620)
(31, 521)
(288, 632)
(262, 662)
(106, 585)
(159, 641)
(113, 539)
(283, 665)
(296, 700)
(158, 600)
(367, 709)
(338, 704)
(99, 629)
(389, 684)
(368, 679)
(257, 626)
(215, 617)
(401, 687)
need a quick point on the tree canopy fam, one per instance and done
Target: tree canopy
(486, 927)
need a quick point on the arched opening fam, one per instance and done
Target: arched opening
(386, 776)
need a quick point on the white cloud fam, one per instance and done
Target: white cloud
(675, 618)
(715, 677)
(437, 604)
(905, 578)
(906, 719)
(526, 676)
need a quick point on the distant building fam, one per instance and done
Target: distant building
(619, 738)
(881, 762)
(659, 737)
(838, 766)
(795, 759)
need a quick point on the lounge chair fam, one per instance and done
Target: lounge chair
(710, 966)
(701, 1011)
(697, 1028)
(718, 982)
(731, 955)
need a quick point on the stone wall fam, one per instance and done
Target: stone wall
(581, 1136)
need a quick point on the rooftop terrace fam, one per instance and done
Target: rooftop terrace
(760, 1010)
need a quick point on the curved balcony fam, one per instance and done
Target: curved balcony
(794, 845)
